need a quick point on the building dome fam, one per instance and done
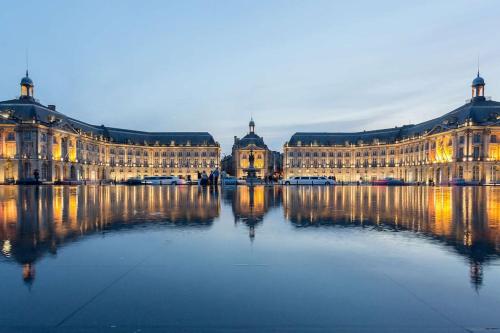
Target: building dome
(251, 123)
(478, 81)
(26, 81)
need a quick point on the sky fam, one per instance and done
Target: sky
(211, 65)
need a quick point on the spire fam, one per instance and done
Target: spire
(251, 125)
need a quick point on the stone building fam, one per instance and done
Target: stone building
(463, 143)
(241, 151)
(38, 140)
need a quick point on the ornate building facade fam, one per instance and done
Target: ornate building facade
(38, 141)
(464, 143)
(241, 152)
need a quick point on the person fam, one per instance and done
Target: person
(216, 176)
(204, 179)
(211, 178)
(199, 175)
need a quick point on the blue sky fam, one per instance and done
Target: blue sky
(210, 65)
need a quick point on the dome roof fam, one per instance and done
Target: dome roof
(26, 81)
(252, 139)
(478, 81)
(251, 123)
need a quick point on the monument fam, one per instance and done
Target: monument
(250, 171)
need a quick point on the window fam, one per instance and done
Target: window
(477, 138)
(461, 153)
(476, 152)
(493, 139)
(12, 137)
(461, 139)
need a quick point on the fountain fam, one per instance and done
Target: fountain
(251, 172)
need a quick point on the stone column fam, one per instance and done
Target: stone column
(486, 144)
(50, 160)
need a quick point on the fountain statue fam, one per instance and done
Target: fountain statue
(251, 172)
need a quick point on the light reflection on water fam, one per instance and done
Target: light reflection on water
(35, 221)
(264, 238)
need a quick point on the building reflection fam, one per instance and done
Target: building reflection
(251, 204)
(467, 219)
(36, 221)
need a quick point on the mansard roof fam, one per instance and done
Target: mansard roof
(28, 110)
(479, 110)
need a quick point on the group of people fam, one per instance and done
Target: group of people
(211, 179)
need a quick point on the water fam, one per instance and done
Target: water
(282, 259)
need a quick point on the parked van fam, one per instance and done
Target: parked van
(308, 180)
(163, 180)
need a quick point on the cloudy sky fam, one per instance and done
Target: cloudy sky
(211, 65)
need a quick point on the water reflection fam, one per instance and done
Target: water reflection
(465, 219)
(38, 221)
(250, 204)
(35, 222)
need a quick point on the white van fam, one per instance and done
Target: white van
(163, 180)
(308, 180)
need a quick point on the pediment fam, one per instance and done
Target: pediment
(437, 129)
(64, 126)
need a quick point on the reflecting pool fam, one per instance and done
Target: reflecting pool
(280, 259)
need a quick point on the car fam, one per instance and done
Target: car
(163, 180)
(133, 181)
(308, 180)
(388, 181)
